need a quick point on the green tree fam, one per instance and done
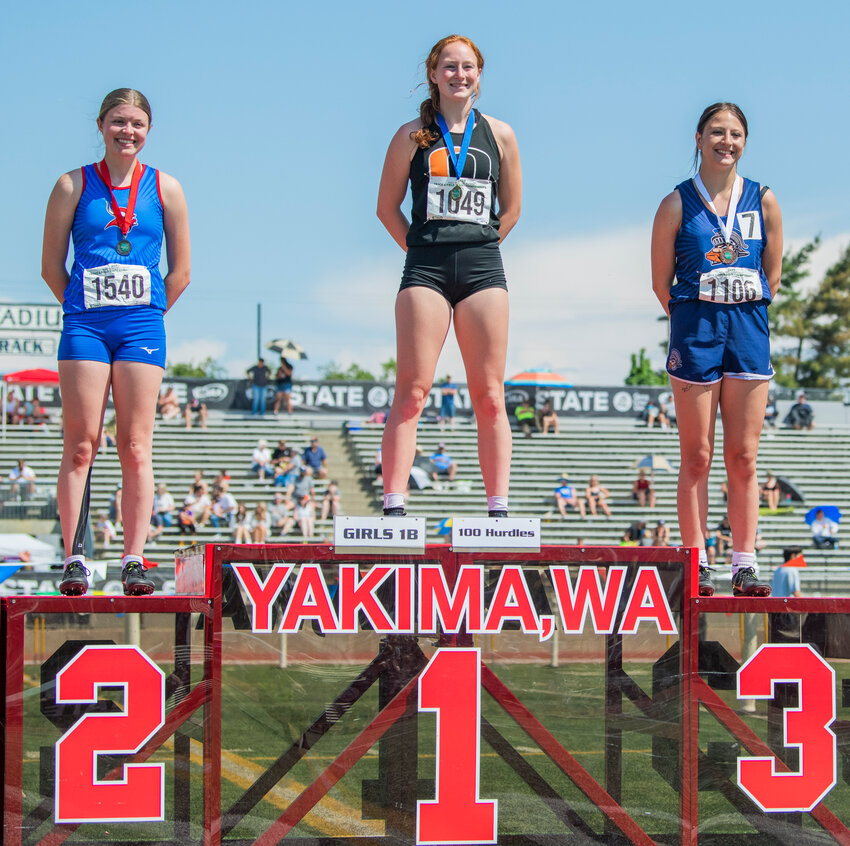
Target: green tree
(208, 368)
(642, 373)
(827, 315)
(334, 372)
(789, 322)
(388, 369)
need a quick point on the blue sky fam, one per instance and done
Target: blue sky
(275, 117)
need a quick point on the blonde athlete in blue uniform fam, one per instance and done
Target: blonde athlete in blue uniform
(459, 164)
(716, 265)
(114, 298)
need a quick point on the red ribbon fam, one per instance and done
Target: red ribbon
(124, 221)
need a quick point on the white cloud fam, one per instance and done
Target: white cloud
(195, 350)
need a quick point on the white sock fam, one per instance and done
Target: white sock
(392, 500)
(80, 559)
(744, 559)
(129, 559)
(497, 503)
(703, 558)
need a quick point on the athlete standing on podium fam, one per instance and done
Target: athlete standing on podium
(460, 165)
(113, 336)
(719, 236)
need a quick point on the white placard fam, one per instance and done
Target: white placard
(496, 534)
(388, 535)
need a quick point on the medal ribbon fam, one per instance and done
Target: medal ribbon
(458, 160)
(725, 228)
(124, 221)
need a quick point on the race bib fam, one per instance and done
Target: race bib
(472, 206)
(117, 285)
(730, 285)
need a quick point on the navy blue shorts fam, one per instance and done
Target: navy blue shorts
(114, 334)
(454, 270)
(710, 342)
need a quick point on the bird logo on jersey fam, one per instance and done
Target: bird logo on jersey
(123, 210)
(726, 252)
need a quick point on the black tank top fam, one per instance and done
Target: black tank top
(482, 163)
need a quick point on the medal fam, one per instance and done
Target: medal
(123, 221)
(728, 254)
(458, 160)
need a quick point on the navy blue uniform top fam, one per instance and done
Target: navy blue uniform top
(699, 242)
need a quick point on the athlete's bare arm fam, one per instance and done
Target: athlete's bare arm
(771, 257)
(58, 221)
(665, 228)
(510, 176)
(394, 178)
(177, 246)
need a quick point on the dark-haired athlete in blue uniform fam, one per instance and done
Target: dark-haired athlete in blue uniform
(117, 213)
(716, 265)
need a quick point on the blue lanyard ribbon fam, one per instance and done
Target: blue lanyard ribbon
(458, 160)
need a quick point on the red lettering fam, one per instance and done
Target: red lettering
(354, 595)
(466, 600)
(648, 601)
(511, 601)
(404, 598)
(262, 594)
(310, 600)
(574, 603)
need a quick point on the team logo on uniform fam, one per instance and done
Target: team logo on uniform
(674, 360)
(123, 210)
(726, 252)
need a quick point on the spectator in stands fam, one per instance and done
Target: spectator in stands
(22, 477)
(565, 496)
(287, 470)
(661, 534)
(634, 533)
(260, 523)
(303, 484)
(548, 418)
(104, 530)
(643, 491)
(824, 531)
(305, 515)
(197, 409)
(222, 479)
(722, 536)
(199, 504)
(597, 497)
(108, 434)
(281, 451)
(154, 530)
(771, 412)
(12, 409)
(442, 464)
(283, 386)
(526, 417)
(448, 392)
(242, 525)
(800, 416)
(163, 507)
(770, 491)
(186, 519)
(786, 581)
(115, 514)
(168, 404)
(259, 376)
(261, 460)
(316, 458)
(330, 501)
(656, 411)
(280, 514)
(224, 507)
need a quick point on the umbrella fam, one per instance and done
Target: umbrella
(788, 490)
(831, 512)
(287, 348)
(539, 379)
(654, 462)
